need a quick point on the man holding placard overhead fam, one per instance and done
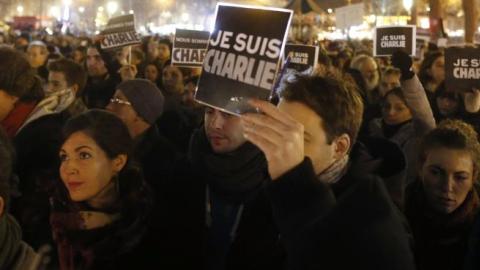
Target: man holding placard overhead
(328, 193)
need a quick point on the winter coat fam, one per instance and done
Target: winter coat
(189, 213)
(352, 224)
(409, 135)
(37, 145)
(14, 253)
(440, 240)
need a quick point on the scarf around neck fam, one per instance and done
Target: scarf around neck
(335, 172)
(232, 176)
(17, 117)
(55, 102)
(66, 224)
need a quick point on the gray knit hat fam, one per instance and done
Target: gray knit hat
(146, 99)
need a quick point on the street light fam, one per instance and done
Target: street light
(81, 9)
(329, 10)
(55, 12)
(112, 7)
(100, 9)
(20, 9)
(407, 4)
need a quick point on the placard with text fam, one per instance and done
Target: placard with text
(120, 32)
(462, 69)
(388, 39)
(189, 47)
(243, 56)
(302, 57)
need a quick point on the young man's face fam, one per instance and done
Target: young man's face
(224, 131)
(315, 139)
(95, 64)
(56, 82)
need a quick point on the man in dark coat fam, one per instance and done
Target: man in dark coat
(217, 212)
(139, 103)
(102, 79)
(331, 205)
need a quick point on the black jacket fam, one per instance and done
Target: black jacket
(352, 224)
(37, 166)
(184, 239)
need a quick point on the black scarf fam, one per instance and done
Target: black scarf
(233, 176)
(391, 130)
(437, 234)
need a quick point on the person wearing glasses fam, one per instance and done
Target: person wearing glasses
(139, 103)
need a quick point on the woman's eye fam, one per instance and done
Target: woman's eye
(84, 155)
(461, 178)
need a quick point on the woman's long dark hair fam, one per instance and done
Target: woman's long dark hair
(426, 65)
(135, 199)
(17, 78)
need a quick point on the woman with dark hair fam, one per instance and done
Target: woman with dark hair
(432, 72)
(442, 203)
(101, 211)
(452, 104)
(406, 115)
(152, 73)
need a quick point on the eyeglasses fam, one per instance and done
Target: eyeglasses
(119, 101)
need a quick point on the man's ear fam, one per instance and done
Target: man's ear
(75, 89)
(2, 206)
(342, 146)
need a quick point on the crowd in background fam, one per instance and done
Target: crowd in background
(108, 162)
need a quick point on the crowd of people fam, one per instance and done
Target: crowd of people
(108, 162)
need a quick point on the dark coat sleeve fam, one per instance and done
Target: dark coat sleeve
(358, 230)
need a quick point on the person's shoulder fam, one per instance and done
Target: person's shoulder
(26, 258)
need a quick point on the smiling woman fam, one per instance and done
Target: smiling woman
(442, 204)
(105, 198)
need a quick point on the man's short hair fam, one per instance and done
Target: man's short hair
(337, 103)
(74, 73)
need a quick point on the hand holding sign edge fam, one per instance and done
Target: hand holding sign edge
(277, 135)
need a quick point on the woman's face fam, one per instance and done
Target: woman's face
(447, 177)
(437, 70)
(395, 111)
(172, 79)
(151, 73)
(37, 56)
(446, 106)
(85, 168)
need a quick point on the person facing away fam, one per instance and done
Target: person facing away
(331, 206)
(101, 206)
(15, 254)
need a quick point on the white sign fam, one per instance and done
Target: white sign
(348, 16)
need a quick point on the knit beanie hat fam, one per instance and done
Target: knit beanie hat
(146, 99)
